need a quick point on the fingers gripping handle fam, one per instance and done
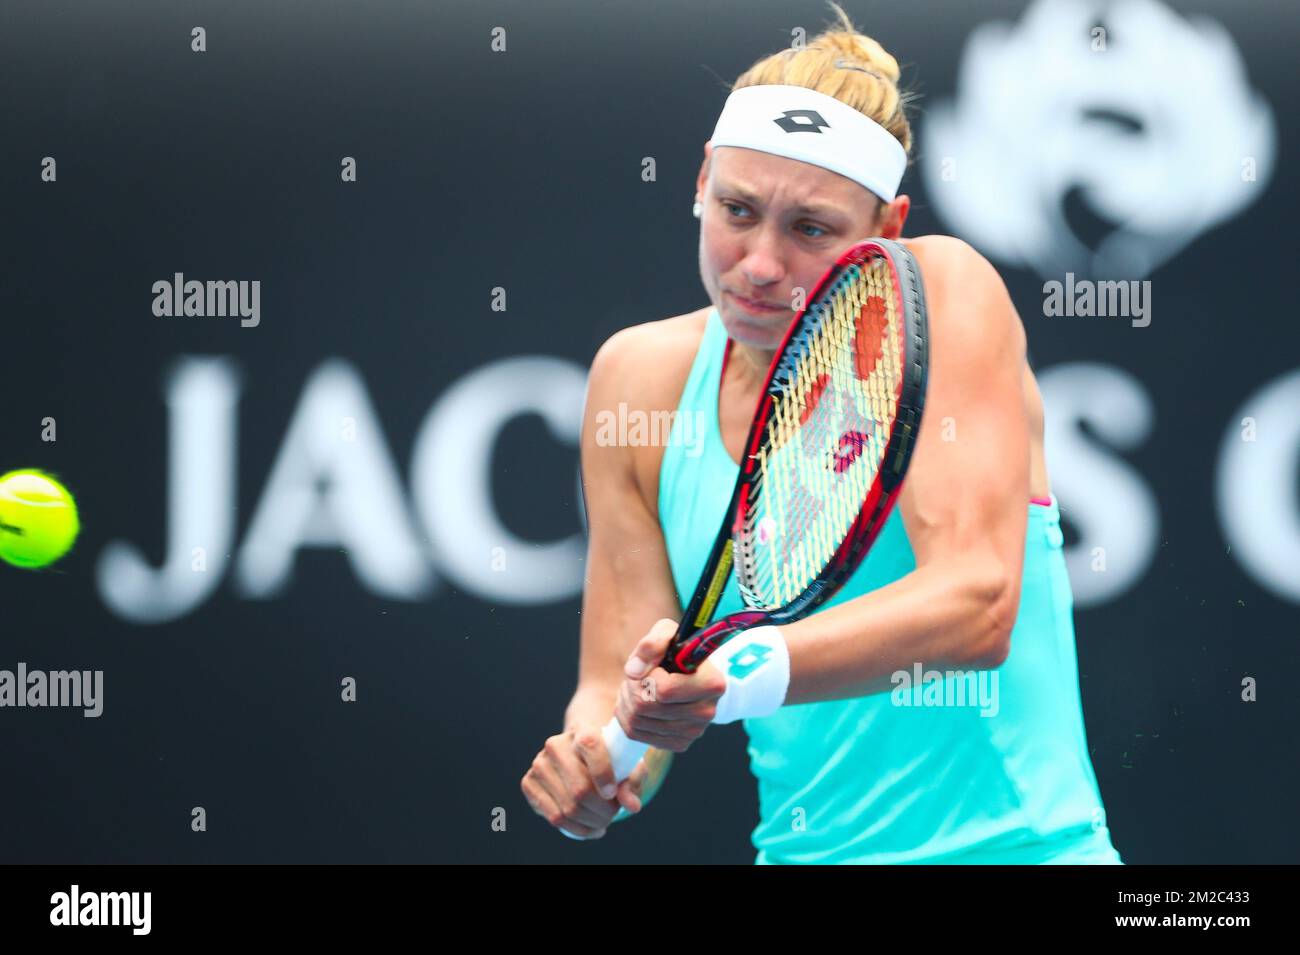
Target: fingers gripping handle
(624, 754)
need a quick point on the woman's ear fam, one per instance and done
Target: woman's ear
(703, 177)
(892, 216)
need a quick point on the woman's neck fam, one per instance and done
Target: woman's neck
(748, 366)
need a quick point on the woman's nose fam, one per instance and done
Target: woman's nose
(763, 263)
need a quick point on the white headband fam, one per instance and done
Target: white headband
(803, 124)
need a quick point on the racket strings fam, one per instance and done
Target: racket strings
(824, 442)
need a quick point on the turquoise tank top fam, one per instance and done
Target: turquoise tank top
(868, 780)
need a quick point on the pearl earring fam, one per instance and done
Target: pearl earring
(697, 210)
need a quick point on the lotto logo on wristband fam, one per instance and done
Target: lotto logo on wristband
(757, 668)
(748, 659)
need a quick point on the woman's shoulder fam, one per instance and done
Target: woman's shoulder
(968, 303)
(649, 362)
(946, 261)
(645, 367)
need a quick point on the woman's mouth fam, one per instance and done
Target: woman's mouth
(757, 308)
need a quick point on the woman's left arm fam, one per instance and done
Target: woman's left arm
(964, 503)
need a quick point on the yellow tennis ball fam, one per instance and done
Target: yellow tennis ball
(38, 519)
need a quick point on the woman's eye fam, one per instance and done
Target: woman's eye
(738, 211)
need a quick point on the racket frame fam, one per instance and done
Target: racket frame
(696, 637)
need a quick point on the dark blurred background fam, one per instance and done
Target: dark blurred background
(378, 480)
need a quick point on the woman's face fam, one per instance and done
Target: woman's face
(772, 225)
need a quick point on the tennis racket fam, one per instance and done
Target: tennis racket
(825, 458)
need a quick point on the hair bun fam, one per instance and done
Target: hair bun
(861, 53)
(846, 64)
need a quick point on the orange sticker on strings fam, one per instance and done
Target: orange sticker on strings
(814, 398)
(870, 342)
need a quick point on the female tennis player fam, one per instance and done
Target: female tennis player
(862, 753)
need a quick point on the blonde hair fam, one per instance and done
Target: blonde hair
(846, 64)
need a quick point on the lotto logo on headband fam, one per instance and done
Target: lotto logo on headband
(789, 121)
(758, 117)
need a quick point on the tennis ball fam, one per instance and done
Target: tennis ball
(38, 519)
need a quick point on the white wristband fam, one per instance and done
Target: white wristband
(756, 664)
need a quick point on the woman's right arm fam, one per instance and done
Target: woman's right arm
(628, 586)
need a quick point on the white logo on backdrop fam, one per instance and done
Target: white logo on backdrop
(1255, 488)
(1151, 124)
(334, 485)
(1105, 499)
(1159, 131)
